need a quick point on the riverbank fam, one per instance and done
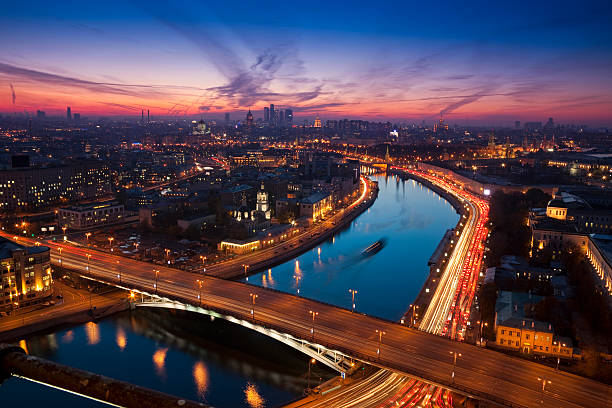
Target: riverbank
(283, 252)
(423, 298)
(75, 309)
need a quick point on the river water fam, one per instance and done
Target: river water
(225, 365)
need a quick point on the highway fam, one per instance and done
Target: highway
(480, 372)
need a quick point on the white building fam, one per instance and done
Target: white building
(90, 215)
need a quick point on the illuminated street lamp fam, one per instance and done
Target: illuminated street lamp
(253, 297)
(156, 279)
(118, 270)
(353, 291)
(87, 235)
(482, 323)
(455, 355)
(60, 254)
(199, 282)
(310, 362)
(313, 314)
(110, 243)
(246, 267)
(380, 334)
(64, 228)
(88, 258)
(544, 381)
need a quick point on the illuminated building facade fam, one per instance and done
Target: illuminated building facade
(531, 336)
(25, 275)
(91, 215)
(30, 188)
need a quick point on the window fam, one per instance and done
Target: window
(510, 332)
(503, 331)
(527, 336)
(517, 344)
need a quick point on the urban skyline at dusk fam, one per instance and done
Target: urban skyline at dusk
(481, 65)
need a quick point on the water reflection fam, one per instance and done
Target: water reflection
(159, 361)
(252, 397)
(200, 378)
(24, 346)
(121, 338)
(68, 337)
(92, 331)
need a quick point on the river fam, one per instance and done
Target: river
(225, 365)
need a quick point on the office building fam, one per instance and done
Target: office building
(289, 117)
(78, 217)
(29, 188)
(68, 113)
(227, 119)
(25, 275)
(266, 114)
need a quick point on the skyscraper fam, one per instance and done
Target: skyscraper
(317, 122)
(266, 114)
(281, 118)
(227, 119)
(272, 114)
(289, 117)
(68, 113)
(249, 119)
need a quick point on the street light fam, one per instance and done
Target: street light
(544, 381)
(455, 355)
(88, 258)
(118, 270)
(482, 323)
(156, 277)
(110, 243)
(353, 291)
(60, 256)
(87, 235)
(199, 281)
(246, 267)
(310, 362)
(380, 334)
(253, 297)
(314, 314)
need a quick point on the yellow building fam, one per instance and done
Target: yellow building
(239, 247)
(531, 336)
(25, 275)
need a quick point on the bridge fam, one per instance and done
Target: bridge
(337, 337)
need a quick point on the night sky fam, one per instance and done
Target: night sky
(482, 63)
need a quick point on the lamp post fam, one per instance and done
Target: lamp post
(88, 258)
(199, 282)
(353, 292)
(544, 381)
(310, 362)
(87, 235)
(482, 323)
(156, 279)
(253, 297)
(119, 271)
(246, 267)
(60, 255)
(380, 334)
(64, 228)
(313, 314)
(110, 243)
(455, 355)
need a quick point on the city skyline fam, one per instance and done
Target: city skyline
(479, 65)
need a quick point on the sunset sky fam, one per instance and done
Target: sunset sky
(396, 60)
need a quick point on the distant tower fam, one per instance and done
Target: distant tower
(68, 113)
(227, 119)
(249, 119)
(272, 114)
(147, 116)
(387, 156)
(266, 114)
(142, 116)
(317, 122)
(289, 117)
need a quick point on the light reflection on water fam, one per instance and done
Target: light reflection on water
(252, 397)
(200, 378)
(121, 338)
(93, 333)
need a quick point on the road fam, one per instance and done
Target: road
(73, 301)
(480, 372)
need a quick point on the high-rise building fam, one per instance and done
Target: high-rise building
(266, 114)
(517, 124)
(281, 118)
(317, 122)
(148, 116)
(249, 119)
(77, 117)
(40, 114)
(273, 115)
(289, 117)
(68, 113)
(227, 119)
